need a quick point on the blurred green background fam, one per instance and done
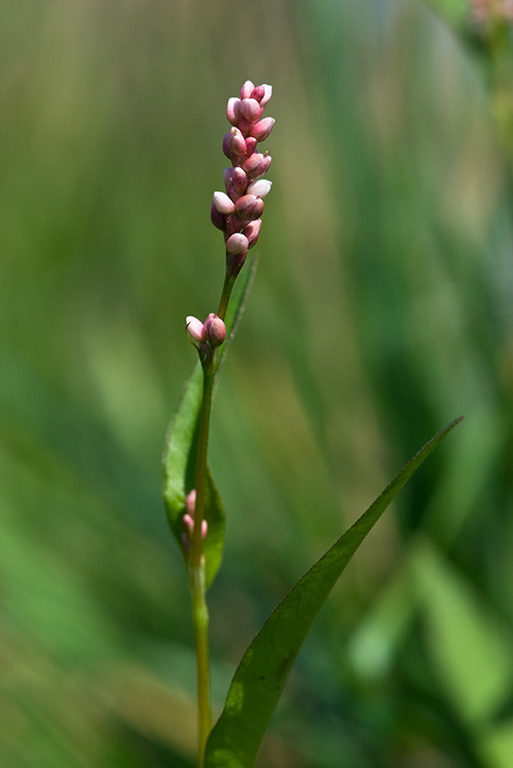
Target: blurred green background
(382, 309)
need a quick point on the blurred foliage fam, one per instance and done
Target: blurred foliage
(382, 309)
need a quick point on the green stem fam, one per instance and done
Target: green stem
(200, 485)
(196, 560)
(229, 281)
(196, 568)
(200, 624)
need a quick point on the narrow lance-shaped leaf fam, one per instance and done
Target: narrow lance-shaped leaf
(261, 675)
(180, 451)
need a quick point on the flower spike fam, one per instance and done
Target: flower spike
(237, 213)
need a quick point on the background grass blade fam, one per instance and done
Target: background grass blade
(455, 12)
(180, 451)
(262, 673)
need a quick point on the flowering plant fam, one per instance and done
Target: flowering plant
(193, 503)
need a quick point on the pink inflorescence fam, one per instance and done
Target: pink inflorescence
(237, 212)
(208, 335)
(188, 522)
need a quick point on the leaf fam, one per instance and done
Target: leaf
(261, 675)
(181, 444)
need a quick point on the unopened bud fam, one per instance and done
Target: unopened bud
(263, 128)
(249, 207)
(257, 165)
(236, 181)
(251, 110)
(262, 94)
(215, 330)
(195, 329)
(245, 126)
(188, 524)
(233, 110)
(260, 188)
(204, 529)
(234, 144)
(247, 89)
(251, 145)
(251, 231)
(237, 244)
(217, 219)
(257, 93)
(190, 502)
(223, 203)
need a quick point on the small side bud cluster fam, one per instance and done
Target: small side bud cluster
(188, 522)
(237, 212)
(489, 12)
(208, 335)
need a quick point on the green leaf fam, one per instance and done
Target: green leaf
(261, 675)
(181, 444)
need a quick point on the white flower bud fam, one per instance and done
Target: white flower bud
(237, 244)
(195, 329)
(223, 203)
(268, 92)
(259, 188)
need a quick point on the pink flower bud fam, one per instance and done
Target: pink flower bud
(251, 231)
(245, 126)
(263, 128)
(188, 523)
(204, 529)
(257, 93)
(195, 329)
(234, 144)
(257, 165)
(236, 181)
(215, 330)
(237, 142)
(247, 89)
(262, 94)
(226, 146)
(233, 110)
(223, 203)
(260, 188)
(251, 110)
(249, 207)
(190, 502)
(237, 244)
(251, 145)
(217, 219)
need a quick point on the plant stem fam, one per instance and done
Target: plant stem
(200, 624)
(196, 564)
(229, 280)
(200, 485)
(196, 568)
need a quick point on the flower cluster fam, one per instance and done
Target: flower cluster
(208, 335)
(188, 521)
(237, 212)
